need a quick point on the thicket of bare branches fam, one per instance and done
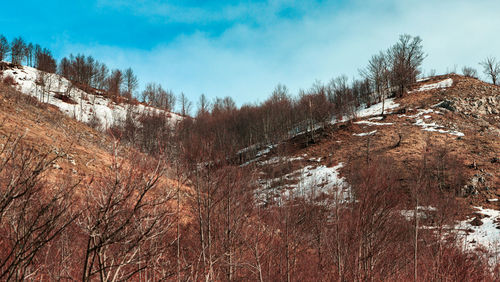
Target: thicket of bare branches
(155, 95)
(469, 72)
(32, 213)
(491, 68)
(117, 229)
(4, 47)
(203, 223)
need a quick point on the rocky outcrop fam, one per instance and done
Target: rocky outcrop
(485, 105)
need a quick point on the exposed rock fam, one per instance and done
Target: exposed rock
(479, 105)
(476, 222)
(446, 104)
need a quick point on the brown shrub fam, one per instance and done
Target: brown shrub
(65, 98)
(9, 80)
(134, 102)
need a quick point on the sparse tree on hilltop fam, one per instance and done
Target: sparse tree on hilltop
(17, 50)
(155, 95)
(4, 47)
(115, 82)
(131, 82)
(203, 105)
(405, 58)
(491, 68)
(44, 61)
(377, 73)
(185, 104)
(101, 76)
(29, 54)
(166, 99)
(469, 72)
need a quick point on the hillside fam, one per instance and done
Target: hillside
(90, 106)
(449, 124)
(63, 180)
(455, 115)
(45, 127)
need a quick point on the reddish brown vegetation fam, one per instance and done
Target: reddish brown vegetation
(188, 210)
(9, 81)
(65, 98)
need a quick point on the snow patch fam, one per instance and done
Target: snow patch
(486, 235)
(421, 212)
(423, 79)
(437, 85)
(275, 160)
(311, 182)
(366, 133)
(314, 181)
(436, 128)
(260, 154)
(373, 123)
(376, 109)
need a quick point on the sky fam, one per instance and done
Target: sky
(243, 49)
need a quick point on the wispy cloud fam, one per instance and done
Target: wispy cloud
(265, 44)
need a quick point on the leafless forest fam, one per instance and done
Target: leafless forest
(179, 203)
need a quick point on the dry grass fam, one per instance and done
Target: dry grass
(480, 145)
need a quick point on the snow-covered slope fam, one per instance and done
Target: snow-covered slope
(437, 85)
(84, 106)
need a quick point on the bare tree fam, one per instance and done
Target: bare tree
(4, 47)
(405, 58)
(185, 104)
(377, 73)
(131, 82)
(32, 213)
(203, 105)
(155, 95)
(491, 68)
(29, 54)
(101, 76)
(341, 96)
(44, 60)
(115, 81)
(125, 220)
(469, 72)
(17, 50)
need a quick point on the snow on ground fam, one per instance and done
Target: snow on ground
(438, 85)
(486, 235)
(275, 160)
(421, 112)
(309, 182)
(423, 79)
(421, 212)
(373, 123)
(314, 181)
(365, 133)
(376, 109)
(436, 128)
(260, 154)
(87, 106)
(432, 126)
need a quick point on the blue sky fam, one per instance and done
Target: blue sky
(243, 49)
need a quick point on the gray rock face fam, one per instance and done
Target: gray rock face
(485, 105)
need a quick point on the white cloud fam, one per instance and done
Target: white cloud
(246, 61)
